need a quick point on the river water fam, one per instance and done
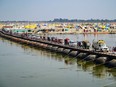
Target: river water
(24, 66)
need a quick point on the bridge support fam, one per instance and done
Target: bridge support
(54, 48)
(66, 51)
(111, 63)
(73, 53)
(49, 47)
(100, 60)
(81, 55)
(60, 50)
(90, 57)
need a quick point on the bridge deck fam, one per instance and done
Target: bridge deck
(106, 54)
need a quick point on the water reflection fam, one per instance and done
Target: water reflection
(70, 61)
(86, 66)
(99, 71)
(96, 71)
(112, 71)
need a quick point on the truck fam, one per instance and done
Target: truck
(100, 45)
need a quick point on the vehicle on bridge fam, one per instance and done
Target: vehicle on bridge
(84, 44)
(100, 45)
(72, 43)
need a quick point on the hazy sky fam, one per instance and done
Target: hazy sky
(38, 10)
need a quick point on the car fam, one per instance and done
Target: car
(72, 44)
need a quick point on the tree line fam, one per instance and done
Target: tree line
(80, 20)
(63, 20)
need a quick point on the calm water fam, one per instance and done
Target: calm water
(23, 66)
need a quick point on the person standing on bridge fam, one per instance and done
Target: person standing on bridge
(66, 41)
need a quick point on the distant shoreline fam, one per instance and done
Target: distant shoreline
(111, 32)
